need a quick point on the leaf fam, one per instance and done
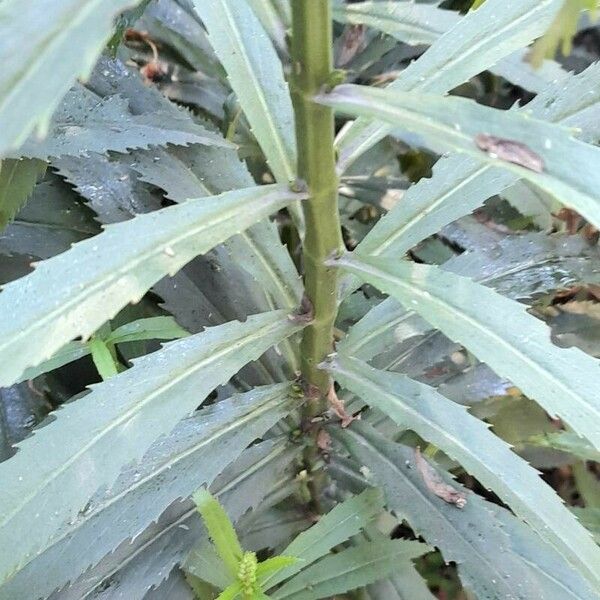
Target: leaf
(590, 518)
(424, 24)
(566, 441)
(405, 584)
(64, 38)
(185, 172)
(474, 536)
(109, 185)
(561, 380)
(230, 592)
(55, 472)
(456, 124)
(150, 247)
(479, 40)
(220, 529)
(350, 569)
(204, 563)
(17, 180)
(407, 22)
(151, 328)
(274, 564)
(272, 23)
(464, 438)
(256, 76)
(86, 123)
(460, 184)
(68, 353)
(103, 358)
(52, 220)
(141, 563)
(519, 267)
(268, 266)
(334, 528)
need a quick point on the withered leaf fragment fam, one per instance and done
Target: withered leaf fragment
(510, 151)
(435, 484)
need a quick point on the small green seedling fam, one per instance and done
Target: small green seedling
(246, 573)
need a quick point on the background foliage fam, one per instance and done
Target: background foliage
(155, 245)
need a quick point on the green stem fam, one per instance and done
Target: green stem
(312, 55)
(313, 65)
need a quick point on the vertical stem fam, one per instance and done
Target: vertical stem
(312, 55)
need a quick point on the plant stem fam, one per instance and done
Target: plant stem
(312, 55)
(312, 52)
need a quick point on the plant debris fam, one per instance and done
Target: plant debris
(510, 151)
(435, 484)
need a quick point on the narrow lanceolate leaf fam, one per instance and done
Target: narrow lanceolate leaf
(413, 23)
(497, 556)
(256, 76)
(72, 294)
(17, 180)
(562, 380)
(519, 267)
(466, 439)
(461, 183)
(150, 328)
(350, 569)
(56, 471)
(476, 42)
(550, 158)
(193, 454)
(408, 22)
(220, 529)
(86, 123)
(142, 563)
(64, 38)
(337, 526)
(566, 441)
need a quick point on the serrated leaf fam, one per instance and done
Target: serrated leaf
(519, 267)
(334, 528)
(99, 281)
(464, 438)
(570, 169)
(408, 22)
(412, 23)
(350, 569)
(184, 173)
(220, 530)
(267, 265)
(87, 123)
(256, 76)
(109, 185)
(474, 536)
(64, 39)
(561, 380)
(57, 470)
(460, 184)
(52, 220)
(139, 564)
(477, 41)
(194, 453)
(17, 180)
